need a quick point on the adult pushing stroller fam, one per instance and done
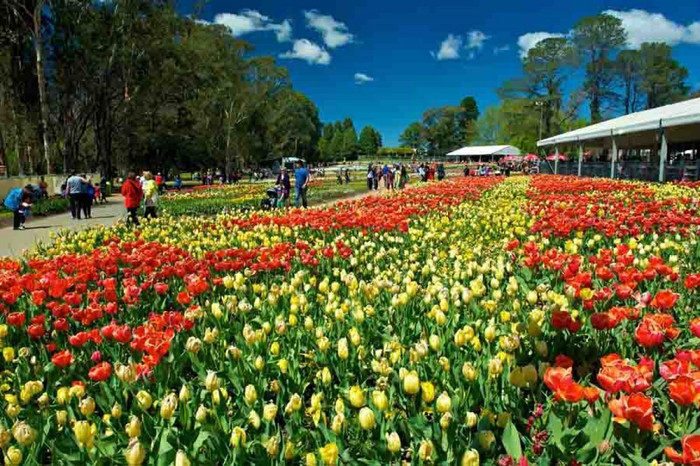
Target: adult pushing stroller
(272, 198)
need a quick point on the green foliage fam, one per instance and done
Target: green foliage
(595, 39)
(370, 141)
(413, 136)
(662, 77)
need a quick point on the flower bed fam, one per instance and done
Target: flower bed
(518, 321)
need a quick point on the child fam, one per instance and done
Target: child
(24, 209)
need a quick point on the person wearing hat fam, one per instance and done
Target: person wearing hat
(285, 186)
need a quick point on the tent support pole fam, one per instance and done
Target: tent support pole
(663, 154)
(613, 158)
(556, 159)
(580, 158)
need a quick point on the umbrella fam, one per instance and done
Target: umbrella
(531, 158)
(562, 157)
(512, 158)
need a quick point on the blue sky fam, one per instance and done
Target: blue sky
(414, 55)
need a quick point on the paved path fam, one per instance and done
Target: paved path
(13, 243)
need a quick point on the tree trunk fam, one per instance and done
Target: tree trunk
(39, 49)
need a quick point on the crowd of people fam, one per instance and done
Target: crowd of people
(396, 176)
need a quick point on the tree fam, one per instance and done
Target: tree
(369, 141)
(413, 136)
(662, 77)
(336, 148)
(628, 66)
(596, 38)
(489, 127)
(349, 141)
(546, 68)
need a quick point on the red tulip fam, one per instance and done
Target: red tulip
(100, 372)
(62, 358)
(691, 451)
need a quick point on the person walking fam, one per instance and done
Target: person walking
(178, 182)
(18, 200)
(301, 183)
(131, 190)
(404, 177)
(370, 177)
(87, 198)
(285, 187)
(150, 196)
(103, 189)
(160, 184)
(441, 172)
(74, 189)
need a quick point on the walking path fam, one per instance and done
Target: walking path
(13, 243)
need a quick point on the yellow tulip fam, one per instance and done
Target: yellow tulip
(13, 456)
(329, 454)
(470, 458)
(135, 453)
(238, 437)
(366, 417)
(411, 383)
(356, 397)
(427, 392)
(393, 442)
(444, 403)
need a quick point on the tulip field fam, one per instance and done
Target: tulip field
(542, 320)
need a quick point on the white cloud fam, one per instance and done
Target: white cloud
(361, 78)
(476, 39)
(248, 21)
(643, 26)
(501, 49)
(334, 32)
(449, 48)
(529, 40)
(304, 49)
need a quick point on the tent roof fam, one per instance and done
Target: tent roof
(486, 150)
(681, 113)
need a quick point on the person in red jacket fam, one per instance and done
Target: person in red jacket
(132, 192)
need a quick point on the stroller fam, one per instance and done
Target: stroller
(270, 202)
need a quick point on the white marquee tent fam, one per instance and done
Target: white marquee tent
(491, 153)
(677, 123)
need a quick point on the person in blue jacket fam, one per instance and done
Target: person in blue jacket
(301, 183)
(17, 201)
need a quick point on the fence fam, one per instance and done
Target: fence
(628, 170)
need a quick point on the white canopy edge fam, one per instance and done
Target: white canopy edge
(486, 150)
(678, 114)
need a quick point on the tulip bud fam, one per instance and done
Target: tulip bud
(444, 403)
(471, 419)
(250, 395)
(356, 397)
(184, 393)
(201, 414)
(135, 453)
(211, 382)
(425, 451)
(469, 372)
(23, 433)
(144, 399)
(254, 419)
(85, 433)
(393, 442)
(445, 420)
(61, 417)
(326, 377)
(470, 458)
(62, 396)
(168, 406)
(427, 392)
(133, 427)
(87, 406)
(411, 383)
(13, 456)
(116, 411)
(238, 437)
(485, 439)
(329, 454)
(337, 423)
(366, 417)
(181, 459)
(193, 345)
(379, 400)
(269, 412)
(293, 405)
(310, 459)
(272, 446)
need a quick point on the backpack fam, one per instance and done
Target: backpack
(13, 199)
